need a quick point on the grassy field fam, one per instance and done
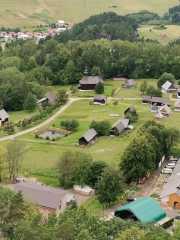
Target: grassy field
(45, 155)
(172, 32)
(27, 14)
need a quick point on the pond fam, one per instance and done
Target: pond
(51, 134)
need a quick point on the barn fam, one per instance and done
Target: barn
(88, 138)
(4, 117)
(177, 106)
(100, 100)
(131, 108)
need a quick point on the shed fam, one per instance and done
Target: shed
(88, 138)
(159, 116)
(169, 87)
(154, 108)
(100, 99)
(129, 83)
(4, 117)
(83, 190)
(177, 106)
(121, 125)
(142, 210)
(51, 98)
(160, 101)
(146, 99)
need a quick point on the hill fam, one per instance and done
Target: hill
(29, 13)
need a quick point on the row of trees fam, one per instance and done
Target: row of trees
(145, 151)
(23, 221)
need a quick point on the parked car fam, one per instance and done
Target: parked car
(170, 166)
(167, 170)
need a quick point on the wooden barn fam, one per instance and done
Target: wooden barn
(49, 98)
(131, 108)
(165, 111)
(4, 117)
(88, 138)
(129, 83)
(146, 99)
(120, 125)
(177, 106)
(160, 101)
(88, 83)
(158, 116)
(100, 100)
(169, 87)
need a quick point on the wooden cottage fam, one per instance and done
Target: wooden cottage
(177, 106)
(178, 93)
(88, 83)
(169, 87)
(165, 111)
(4, 117)
(100, 100)
(49, 99)
(154, 108)
(119, 126)
(146, 99)
(88, 138)
(160, 101)
(170, 196)
(131, 108)
(129, 83)
(159, 116)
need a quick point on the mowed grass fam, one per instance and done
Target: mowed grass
(29, 13)
(40, 155)
(172, 32)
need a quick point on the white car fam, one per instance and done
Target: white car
(167, 170)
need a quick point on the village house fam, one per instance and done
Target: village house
(2, 34)
(131, 108)
(100, 100)
(177, 106)
(165, 111)
(158, 116)
(154, 108)
(48, 198)
(49, 99)
(51, 30)
(129, 84)
(88, 83)
(30, 34)
(169, 87)
(11, 34)
(4, 117)
(178, 93)
(119, 126)
(158, 100)
(60, 23)
(88, 138)
(170, 196)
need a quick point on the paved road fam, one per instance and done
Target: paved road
(42, 124)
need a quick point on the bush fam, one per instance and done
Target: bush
(36, 135)
(99, 88)
(70, 124)
(53, 139)
(47, 137)
(154, 195)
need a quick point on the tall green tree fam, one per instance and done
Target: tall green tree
(61, 97)
(137, 159)
(102, 128)
(143, 86)
(99, 88)
(110, 185)
(132, 234)
(165, 77)
(30, 102)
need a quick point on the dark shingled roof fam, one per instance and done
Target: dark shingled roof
(90, 80)
(3, 115)
(42, 195)
(100, 97)
(51, 98)
(88, 136)
(130, 82)
(161, 100)
(121, 124)
(146, 98)
(132, 107)
(173, 184)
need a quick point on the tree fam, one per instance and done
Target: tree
(102, 128)
(152, 91)
(143, 86)
(132, 115)
(70, 124)
(3, 163)
(30, 102)
(31, 64)
(137, 159)
(14, 157)
(115, 103)
(171, 139)
(132, 234)
(9, 128)
(99, 88)
(96, 71)
(110, 185)
(61, 97)
(165, 77)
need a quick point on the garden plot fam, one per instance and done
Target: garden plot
(160, 184)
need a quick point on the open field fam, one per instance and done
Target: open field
(29, 13)
(40, 155)
(172, 32)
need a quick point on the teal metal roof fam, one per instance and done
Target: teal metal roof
(145, 209)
